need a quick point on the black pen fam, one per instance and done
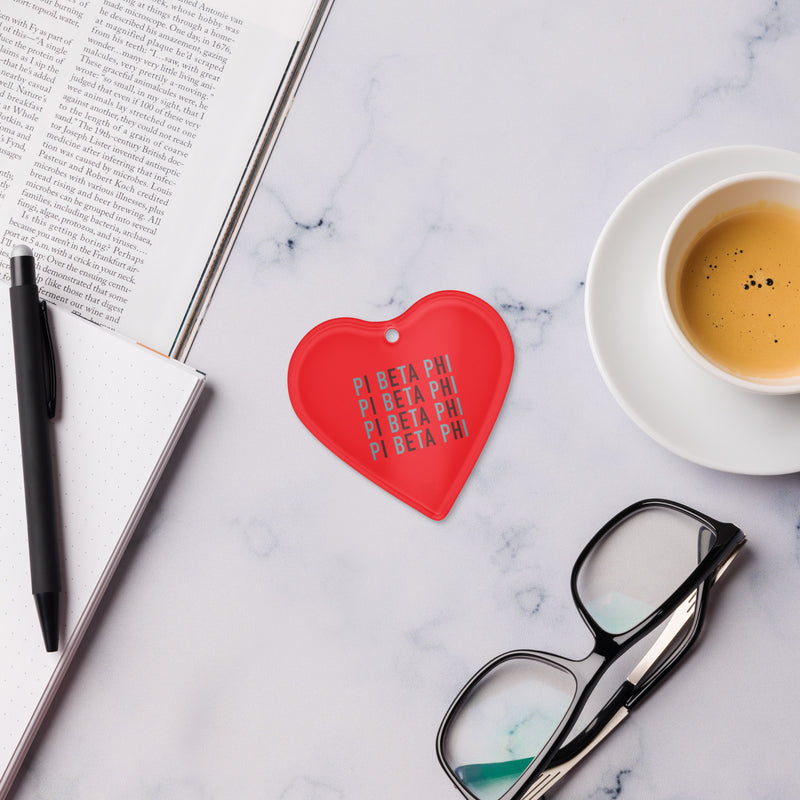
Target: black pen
(36, 390)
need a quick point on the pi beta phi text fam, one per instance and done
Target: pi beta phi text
(409, 407)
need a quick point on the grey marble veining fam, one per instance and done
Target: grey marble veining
(318, 628)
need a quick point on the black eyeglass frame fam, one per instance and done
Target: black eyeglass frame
(607, 649)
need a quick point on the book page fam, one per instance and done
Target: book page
(126, 126)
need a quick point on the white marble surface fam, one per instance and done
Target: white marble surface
(281, 628)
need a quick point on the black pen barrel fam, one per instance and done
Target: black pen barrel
(37, 462)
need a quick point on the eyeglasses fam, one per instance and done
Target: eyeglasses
(519, 724)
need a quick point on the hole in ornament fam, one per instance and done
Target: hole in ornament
(392, 335)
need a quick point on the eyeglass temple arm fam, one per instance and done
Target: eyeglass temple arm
(618, 707)
(638, 684)
(554, 773)
(658, 662)
(630, 692)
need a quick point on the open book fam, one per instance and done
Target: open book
(132, 137)
(121, 408)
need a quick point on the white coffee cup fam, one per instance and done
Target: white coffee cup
(748, 192)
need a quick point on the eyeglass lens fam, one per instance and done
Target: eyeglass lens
(506, 721)
(639, 564)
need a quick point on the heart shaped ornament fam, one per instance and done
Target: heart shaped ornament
(408, 402)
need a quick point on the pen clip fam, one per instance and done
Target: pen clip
(50, 385)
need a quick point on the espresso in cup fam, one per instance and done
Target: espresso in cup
(739, 292)
(729, 281)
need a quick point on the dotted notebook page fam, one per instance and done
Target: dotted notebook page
(120, 410)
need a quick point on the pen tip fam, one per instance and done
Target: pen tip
(47, 606)
(21, 250)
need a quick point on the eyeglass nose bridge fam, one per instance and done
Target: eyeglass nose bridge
(606, 645)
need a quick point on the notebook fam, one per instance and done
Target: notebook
(121, 408)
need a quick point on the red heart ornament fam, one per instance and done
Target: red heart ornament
(408, 402)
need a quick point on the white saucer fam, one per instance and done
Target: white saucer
(689, 412)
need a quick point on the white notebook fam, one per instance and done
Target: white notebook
(121, 408)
